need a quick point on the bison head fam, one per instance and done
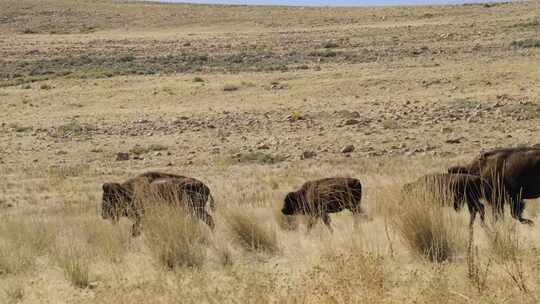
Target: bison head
(290, 204)
(114, 197)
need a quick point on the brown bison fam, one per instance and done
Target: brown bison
(457, 189)
(127, 199)
(320, 197)
(514, 175)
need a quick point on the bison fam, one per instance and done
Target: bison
(127, 199)
(320, 197)
(458, 189)
(514, 175)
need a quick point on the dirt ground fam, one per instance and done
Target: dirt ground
(254, 101)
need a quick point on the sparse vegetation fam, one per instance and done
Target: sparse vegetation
(72, 128)
(175, 239)
(76, 266)
(138, 149)
(526, 44)
(230, 88)
(259, 158)
(21, 242)
(428, 230)
(250, 233)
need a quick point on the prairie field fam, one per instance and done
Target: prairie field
(254, 101)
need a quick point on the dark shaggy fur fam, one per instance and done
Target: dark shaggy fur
(123, 199)
(320, 197)
(513, 173)
(459, 189)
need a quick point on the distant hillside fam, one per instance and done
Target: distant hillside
(79, 16)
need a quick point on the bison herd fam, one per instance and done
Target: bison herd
(498, 176)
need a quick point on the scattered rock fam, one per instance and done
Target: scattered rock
(263, 147)
(446, 130)
(122, 156)
(278, 86)
(308, 155)
(351, 121)
(453, 141)
(93, 285)
(347, 149)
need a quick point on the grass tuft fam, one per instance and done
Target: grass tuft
(427, 228)
(250, 233)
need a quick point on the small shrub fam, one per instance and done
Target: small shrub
(169, 90)
(127, 58)
(535, 22)
(230, 88)
(250, 233)
(198, 79)
(29, 31)
(45, 87)
(73, 128)
(147, 149)
(259, 158)
(329, 45)
(324, 54)
(465, 103)
(526, 44)
(76, 267)
(23, 129)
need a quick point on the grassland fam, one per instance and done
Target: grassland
(254, 101)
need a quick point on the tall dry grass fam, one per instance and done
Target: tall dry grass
(175, 239)
(172, 230)
(22, 242)
(250, 232)
(426, 225)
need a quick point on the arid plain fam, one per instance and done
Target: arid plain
(254, 101)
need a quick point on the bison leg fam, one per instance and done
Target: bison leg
(472, 212)
(136, 228)
(517, 206)
(312, 220)
(327, 221)
(356, 209)
(207, 218)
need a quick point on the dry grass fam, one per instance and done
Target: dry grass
(250, 233)
(175, 239)
(75, 264)
(428, 229)
(22, 242)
